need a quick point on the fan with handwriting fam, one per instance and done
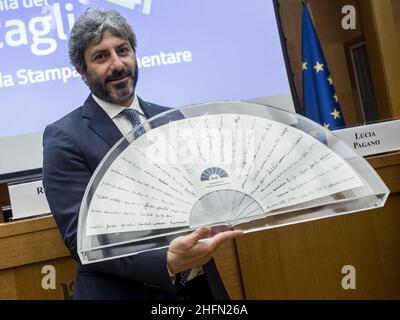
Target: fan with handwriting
(214, 169)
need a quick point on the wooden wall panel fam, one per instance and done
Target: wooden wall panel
(26, 246)
(228, 267)
(384, 53)
(396, 15)
(27, 242)
(7, 288)
(327, 17)
(305, 261)
(387, 226)
(28, 280)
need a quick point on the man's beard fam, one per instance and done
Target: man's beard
(119, 93)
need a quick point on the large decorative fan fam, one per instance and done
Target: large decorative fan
(224, 165)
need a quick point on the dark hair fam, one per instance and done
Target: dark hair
(89, 28)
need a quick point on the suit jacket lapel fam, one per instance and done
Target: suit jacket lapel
(150, 110)
(100, 122)
(104, 126)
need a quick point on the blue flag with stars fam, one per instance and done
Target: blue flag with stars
(321, 103)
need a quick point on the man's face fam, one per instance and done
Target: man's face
(111, 69)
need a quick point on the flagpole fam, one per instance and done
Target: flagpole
(307, 4)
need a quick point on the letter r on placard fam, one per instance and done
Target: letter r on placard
(49, 280)
(349, 280)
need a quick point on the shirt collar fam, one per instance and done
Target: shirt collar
(114, 110)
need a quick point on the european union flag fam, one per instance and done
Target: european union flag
(321, 103)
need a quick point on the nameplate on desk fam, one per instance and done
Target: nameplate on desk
(28, 199)
(373, 138)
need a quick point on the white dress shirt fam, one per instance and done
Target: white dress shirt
(114, 112)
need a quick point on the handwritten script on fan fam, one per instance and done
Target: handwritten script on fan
(157, 180)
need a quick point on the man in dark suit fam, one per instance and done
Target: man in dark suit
(102, 48)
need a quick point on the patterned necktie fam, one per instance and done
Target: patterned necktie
(183, 277)
(133, 116)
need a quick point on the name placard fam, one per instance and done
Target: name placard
(28, 199)
(373, 138)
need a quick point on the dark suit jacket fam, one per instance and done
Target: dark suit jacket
(73, 147)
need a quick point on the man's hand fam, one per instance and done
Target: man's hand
(196, 248)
